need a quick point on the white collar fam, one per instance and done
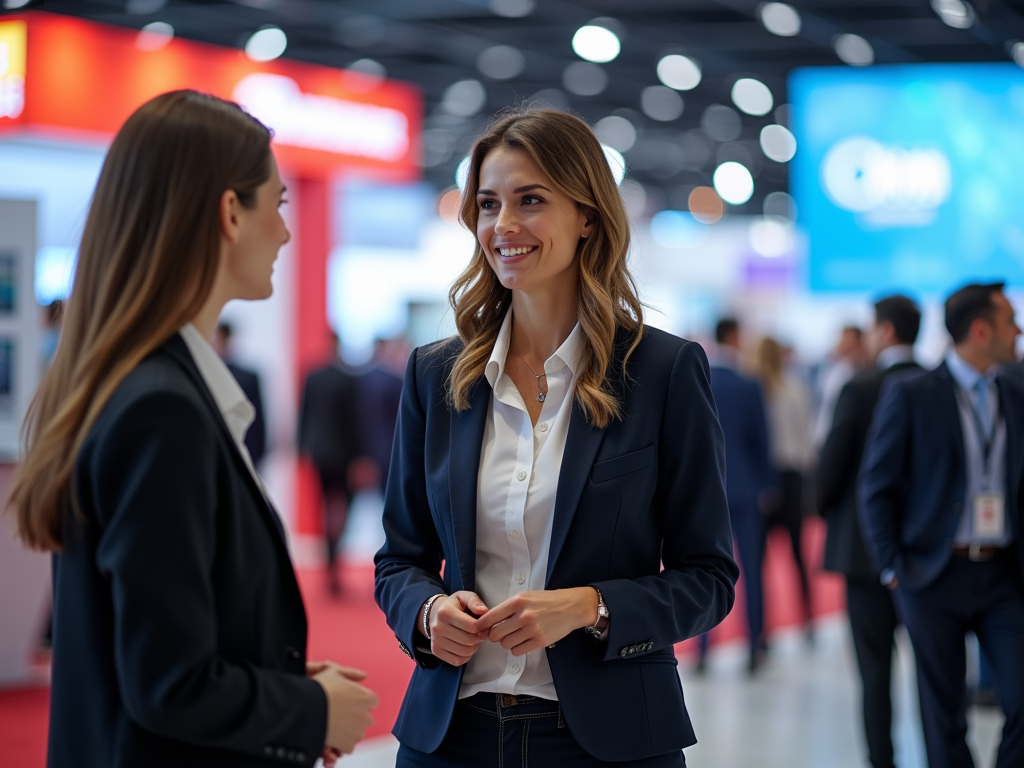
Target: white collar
(965, 374)
(234, 406)
(569, 354)
(898, 353)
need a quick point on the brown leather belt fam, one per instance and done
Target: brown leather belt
(978, 553)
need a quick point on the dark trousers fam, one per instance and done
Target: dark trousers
(491, 730)
(873, 621)
(988, 598)
(789, 515)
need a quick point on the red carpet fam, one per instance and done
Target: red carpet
(352, 631)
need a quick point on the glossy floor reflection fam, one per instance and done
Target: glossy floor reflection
(799, 711)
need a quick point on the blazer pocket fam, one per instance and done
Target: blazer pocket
(622, 465)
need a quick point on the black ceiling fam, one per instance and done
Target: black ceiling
(435, 43)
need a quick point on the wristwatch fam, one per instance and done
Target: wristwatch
(603, 617)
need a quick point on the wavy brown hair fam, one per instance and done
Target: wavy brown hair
(146, 265)
(567, 150)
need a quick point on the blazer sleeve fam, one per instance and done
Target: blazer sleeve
(408, 566)
(696, 589)
(881, 486)
(839, 460)
(154, 490)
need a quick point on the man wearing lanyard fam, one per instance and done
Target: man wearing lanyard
(940, 502)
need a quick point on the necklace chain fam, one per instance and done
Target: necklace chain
(541, 394)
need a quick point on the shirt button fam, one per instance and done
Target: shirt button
(515, 670)
(521, 474)
(543, 427)
(520, 577)
(515, 534)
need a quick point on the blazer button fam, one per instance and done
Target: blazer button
(292, 653)
(281, 753)
(300, 757)
(624, 652)
(268, 751)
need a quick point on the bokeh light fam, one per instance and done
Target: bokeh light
(500, 62)
(752, 96)
(617, 132)
(734, 183)
(679, 72)
(267, 44)
(661, 103)
(449, 204)
(778, 143)
(770, 237)
(677, 229)
(780, 19)
(616, 162)
(705, 205)
(597, 44)
(854, 50)
(154, 36)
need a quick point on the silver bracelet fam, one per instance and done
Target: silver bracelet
(426, 614)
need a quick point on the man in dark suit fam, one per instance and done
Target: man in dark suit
(380, 395)
(249, 381)
(749, 477)
(872, 613)
(329, 436)
(940, 502)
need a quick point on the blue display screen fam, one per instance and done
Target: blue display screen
(910, 176)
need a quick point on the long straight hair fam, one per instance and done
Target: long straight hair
(147, 262)
(566, 149)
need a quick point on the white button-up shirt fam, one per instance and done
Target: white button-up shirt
(238, 413)
(516, 486)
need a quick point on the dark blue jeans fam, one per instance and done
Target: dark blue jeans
(988, 598)
(492, 730)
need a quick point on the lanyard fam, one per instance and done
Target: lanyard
(985, 439)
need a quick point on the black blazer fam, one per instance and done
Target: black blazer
(648, 489)
(838, 465)
(912, 484)
(179, 630)
(329, 422)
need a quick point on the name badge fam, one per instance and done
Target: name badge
(989, 514)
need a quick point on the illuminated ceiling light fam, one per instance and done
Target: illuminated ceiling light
(770, 237)
(155, 36)
(462, 174)
(512, 9)
(780, 19)
(780, 205)
(778, 143)
(677, 229)
(464, 98)
(137, 7)
(679, 72)
(705, 205)
(1017, 52)
(661, 103)
(733, 183)
(364, 75)
(501, 62)
(617, 132)
(955, 13)
(721, 123)
(267, 44)
(597, 44)
(752, 96)
(854, 50)
(616, 162)
(584, 78)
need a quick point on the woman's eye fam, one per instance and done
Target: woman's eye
(282, 201)
(532, 200)
(486, 205)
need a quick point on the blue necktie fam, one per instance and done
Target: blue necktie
(984, 414)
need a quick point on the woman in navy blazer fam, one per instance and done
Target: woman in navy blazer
(555, 515)
(179, 634)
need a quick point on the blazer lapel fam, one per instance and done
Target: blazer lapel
(581, 446)
(176, 347)
(951, 410)
(466, 437)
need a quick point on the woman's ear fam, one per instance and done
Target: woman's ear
(230, 223)
(588, 222)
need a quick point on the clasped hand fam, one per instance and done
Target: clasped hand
(461, 622)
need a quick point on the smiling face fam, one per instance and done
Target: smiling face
(528, 228)
(259, 233)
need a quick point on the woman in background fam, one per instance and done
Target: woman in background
(552, 457)
(790, 415)
(179, 634)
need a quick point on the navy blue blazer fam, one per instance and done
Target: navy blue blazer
(645, 492)
(747, 450)
(912, 483)
(179, 632)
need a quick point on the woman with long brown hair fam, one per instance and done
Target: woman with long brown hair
(179, 634)
(547, 461)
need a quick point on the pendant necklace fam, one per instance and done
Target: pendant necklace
(541, 394)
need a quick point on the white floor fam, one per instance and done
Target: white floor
(800, 711)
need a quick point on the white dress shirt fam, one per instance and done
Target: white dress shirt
(516, 486)
(234, 406)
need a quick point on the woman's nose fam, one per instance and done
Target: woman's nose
(507, 221)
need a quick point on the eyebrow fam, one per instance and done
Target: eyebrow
(516, 191)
